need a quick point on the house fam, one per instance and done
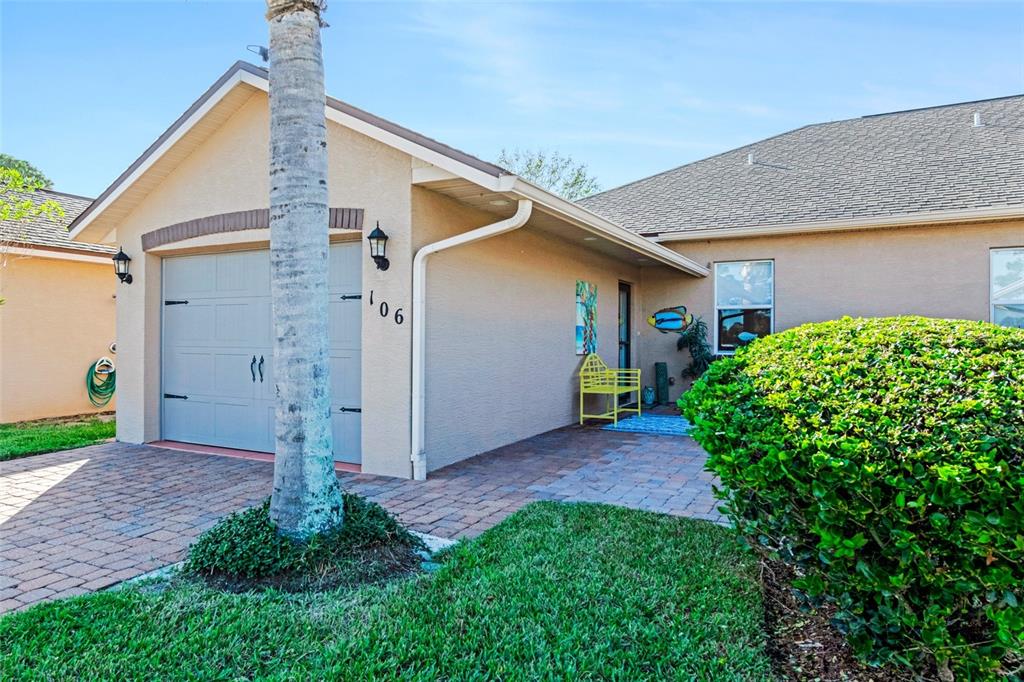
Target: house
(467, 341)
(914, 212)
(57, 317)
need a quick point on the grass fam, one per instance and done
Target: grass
(557, 591)
(49, 435)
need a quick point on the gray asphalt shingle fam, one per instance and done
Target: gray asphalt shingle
(915, 161)
(41, 231)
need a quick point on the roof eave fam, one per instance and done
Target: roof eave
(604, 228)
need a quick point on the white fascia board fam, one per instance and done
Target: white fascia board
(172, 139)
(58, 255)
(882, 222)
(605, 228)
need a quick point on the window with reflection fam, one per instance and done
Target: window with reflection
(744, 303)
(1007, 287)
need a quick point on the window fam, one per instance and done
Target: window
(744, 303)
(1007, 287)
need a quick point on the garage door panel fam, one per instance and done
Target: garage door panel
(346, 430)
(344, 323)
(190, 275)
(345, 379)
(188, 371)
(243, 273)
(346, 268)
(236, 425)
(238, 322)
(190, 421)
(188, 324)
(233, 372)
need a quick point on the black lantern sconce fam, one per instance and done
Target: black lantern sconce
(378, 247)
(121, 261)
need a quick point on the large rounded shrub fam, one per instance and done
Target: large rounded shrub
(885, 459)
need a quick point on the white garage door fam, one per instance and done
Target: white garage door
(218, 365)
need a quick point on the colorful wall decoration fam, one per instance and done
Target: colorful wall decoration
(674, 319)
(586, 318)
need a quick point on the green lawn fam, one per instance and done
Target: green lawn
(36, 437)
(557, 591)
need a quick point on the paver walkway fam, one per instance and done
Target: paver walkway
(77, 521)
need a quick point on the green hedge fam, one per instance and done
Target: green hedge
(885, 459)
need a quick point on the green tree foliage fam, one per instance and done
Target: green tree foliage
(551, 170)
(885, 459)
(29, 172)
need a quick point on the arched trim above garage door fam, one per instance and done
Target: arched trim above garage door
(254, 219)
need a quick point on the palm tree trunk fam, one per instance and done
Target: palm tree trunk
(306, 498)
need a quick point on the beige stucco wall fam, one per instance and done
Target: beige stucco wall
(57, 321)
(500, 347)
(228, 173)
(936, 271)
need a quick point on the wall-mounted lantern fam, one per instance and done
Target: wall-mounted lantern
(121, 261)
(378, 247)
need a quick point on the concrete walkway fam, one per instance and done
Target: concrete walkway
(80, 520)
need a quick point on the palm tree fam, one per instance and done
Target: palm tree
(306, 499)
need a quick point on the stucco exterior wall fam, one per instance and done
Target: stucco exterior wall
(57, 321)
(228, 172)
(935, 271)
(501, 362)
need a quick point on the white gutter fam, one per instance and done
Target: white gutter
(419, 314)
(874, 222)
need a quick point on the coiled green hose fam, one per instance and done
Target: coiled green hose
(100, 386)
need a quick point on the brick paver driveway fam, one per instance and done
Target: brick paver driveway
(81, 520)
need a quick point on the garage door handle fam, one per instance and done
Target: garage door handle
(350, 409)
(175, 396)
(261, 369)
(252, 369)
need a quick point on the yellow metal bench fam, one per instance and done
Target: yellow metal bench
(596, 378)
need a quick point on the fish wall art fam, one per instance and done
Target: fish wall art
(674, 319)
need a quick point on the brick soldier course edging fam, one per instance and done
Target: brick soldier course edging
(81, 520)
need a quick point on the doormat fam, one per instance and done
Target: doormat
(659, 424)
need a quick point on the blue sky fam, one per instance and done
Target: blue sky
(630, 88)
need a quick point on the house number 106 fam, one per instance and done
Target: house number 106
(384, 309)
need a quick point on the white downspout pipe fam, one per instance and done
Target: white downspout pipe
(419, 321)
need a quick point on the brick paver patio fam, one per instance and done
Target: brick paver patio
(81, 520)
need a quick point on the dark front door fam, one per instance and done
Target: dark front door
(626, 331)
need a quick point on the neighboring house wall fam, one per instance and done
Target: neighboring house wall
(57, 320)
(501, 362)
(935, 271)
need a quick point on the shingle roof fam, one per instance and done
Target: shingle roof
(905, 162)
(41, 231)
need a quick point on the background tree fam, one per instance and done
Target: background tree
(29, 172)
(551, 170)
(306, 499)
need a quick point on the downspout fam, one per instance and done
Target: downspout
(419, 314)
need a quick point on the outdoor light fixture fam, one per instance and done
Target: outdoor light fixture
(121, 261)
(378, 247)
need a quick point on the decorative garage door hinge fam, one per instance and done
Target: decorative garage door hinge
(175, 302)
(175, 396)
(351, 297)
(350, 409)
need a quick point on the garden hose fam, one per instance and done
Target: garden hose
(100, 381)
